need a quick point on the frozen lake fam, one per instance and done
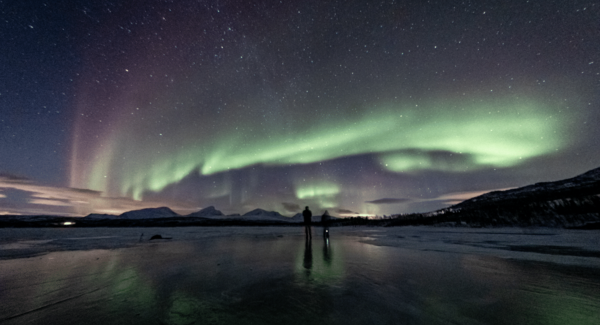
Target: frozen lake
(272, 275)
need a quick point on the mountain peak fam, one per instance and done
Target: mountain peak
(571, 202)
(149, 213)
(261, 212)
(585, 184)
(206, 212)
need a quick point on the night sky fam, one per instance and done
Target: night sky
(355, 107)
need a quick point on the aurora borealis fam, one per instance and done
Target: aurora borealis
(357, 107)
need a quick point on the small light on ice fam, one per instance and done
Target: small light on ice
(68, 223)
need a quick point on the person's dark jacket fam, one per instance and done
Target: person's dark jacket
(307, 216)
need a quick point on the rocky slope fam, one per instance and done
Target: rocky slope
(573, 202)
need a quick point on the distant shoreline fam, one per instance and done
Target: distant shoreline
(42, 221)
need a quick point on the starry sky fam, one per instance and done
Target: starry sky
(355, 107)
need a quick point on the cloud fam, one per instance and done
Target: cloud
(51, 202)
(457, 197)
(344, 211)
(23, 196)
(12, 178)
(37, 195)
(388, 201)
(291, 207)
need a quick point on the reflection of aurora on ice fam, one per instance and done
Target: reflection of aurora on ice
(320, 261)
(266, 275)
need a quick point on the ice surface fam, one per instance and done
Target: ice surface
(272, 275)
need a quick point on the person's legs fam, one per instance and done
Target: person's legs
(307, 230)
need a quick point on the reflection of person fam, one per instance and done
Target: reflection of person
(307, 214)
(307, 263)
(327, 256)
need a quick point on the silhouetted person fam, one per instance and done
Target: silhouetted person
(325, 221)
(307, 219)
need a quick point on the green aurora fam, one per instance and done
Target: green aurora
(405, 139)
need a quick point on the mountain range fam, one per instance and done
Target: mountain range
(207, 213)
(573, 202)
(569, 203)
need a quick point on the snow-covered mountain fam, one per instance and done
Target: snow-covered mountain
(256, 215)
(208, 212)
(571, 202)
(150, 213)
(260, 214)
(579, 186)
